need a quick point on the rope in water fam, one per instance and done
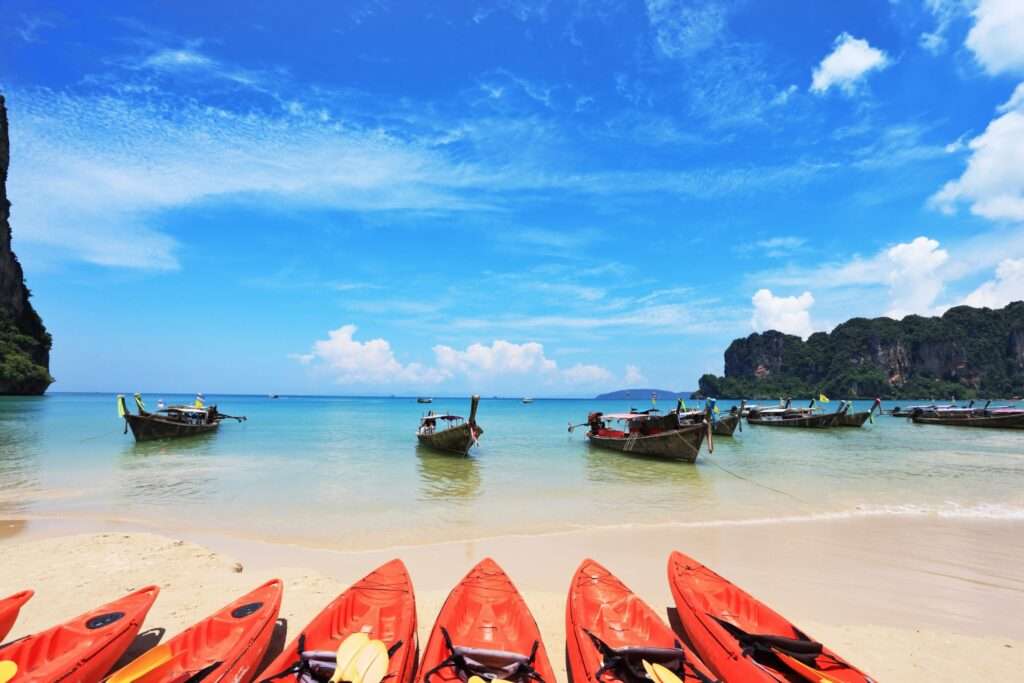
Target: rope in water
(758, 484)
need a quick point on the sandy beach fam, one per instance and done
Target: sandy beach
(907, 599)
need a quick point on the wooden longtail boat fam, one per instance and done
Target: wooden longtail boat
(1004, 418)
(648, 434)
(456, 436)
(848, 419)
(171, 422)
(726, 425)
(787, 416)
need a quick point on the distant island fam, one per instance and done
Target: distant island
(636, 394)
(966, 353)
(24, 341)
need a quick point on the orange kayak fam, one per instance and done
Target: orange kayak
(9, 608)
(83, 649)
(611, 633)
(226, 646)
(485, 629)
(742, 639)
(381, 605)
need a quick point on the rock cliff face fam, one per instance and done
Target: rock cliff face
(24, 341)
(967, 352)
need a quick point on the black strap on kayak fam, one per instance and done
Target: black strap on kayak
(487, 664)
(627, 663)
(304, 664)
(803, 650)
(293, 668)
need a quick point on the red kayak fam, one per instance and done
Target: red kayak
(612, 635)
(742, 639)
(485, 629)
(9, 608)
(83, 649)
(226, 646)
(380, 605)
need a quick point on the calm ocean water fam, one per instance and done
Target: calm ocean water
(346, 472)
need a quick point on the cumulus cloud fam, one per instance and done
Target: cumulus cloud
(1007, 286)
(914, 279)
(633, 376)
(997, 37)
(851, 60)
(789, 314)
(993, 183)
(373, 362)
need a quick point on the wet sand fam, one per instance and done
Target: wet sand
(907, 599)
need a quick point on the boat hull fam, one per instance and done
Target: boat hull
(1011, 421)
(458, 439)
(852, 419)
(821, 421)
(677, 444)
(150, 428)
(726, 426)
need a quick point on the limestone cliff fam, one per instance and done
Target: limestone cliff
(967, 352)
(24, 341)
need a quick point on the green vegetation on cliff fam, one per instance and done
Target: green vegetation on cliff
(967, 352)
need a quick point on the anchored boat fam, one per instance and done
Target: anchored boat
(646, 433)
(848, 419)
(450, 433)
(1000, 418)
(171, 422)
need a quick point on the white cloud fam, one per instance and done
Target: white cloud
(587, 374)
(997, 37)
(789, 314)
(1007, 286)
(945, 12)
(685, 29)
(634, 377)
(501, 357)
(370, 362)
(30, 27)
(848, 63)
(993, 183)
(914, 279)
(170, 59)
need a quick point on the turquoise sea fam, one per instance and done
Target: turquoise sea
(347, 472)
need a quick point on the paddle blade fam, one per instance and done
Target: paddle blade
(370, 664)
(150, 661)
(664, 674)
(810, 673)
(347, 652)
(8, 670)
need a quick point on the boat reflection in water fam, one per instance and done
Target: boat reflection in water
(445, 478)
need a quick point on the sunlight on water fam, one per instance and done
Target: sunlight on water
(348, 472)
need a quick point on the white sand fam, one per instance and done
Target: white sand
(905, 600)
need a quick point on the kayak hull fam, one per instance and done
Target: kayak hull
(85, 648)
(601, 604)
(236, 636)
(9, 609)
(485, 611)
(382, 605)
(704, 599)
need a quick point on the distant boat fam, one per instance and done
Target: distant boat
(424, 399)
(171, 422)
(273, 396)
(450, 433)
(527, 400)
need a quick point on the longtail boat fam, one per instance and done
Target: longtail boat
(450, 433)
(721, 425)
(1000, 418)
(848, 419)
(171, 422)
(647, 433)
(787, 416)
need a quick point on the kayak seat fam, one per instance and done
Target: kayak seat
(488, 664)
(627, 663)
(802, 649)
(316, 666)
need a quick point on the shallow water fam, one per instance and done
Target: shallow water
(347, 472)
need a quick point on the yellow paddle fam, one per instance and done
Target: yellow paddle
(347, 651)
(660, 674)
(8, 669)
(370, 664)
(148, 662)
(808, 672)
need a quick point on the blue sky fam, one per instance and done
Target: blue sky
(517, 197)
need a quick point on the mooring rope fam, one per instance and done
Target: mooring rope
(758, 484)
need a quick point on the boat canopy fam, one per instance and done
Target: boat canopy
(627, 416)
(184, 409)
(446, 416)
